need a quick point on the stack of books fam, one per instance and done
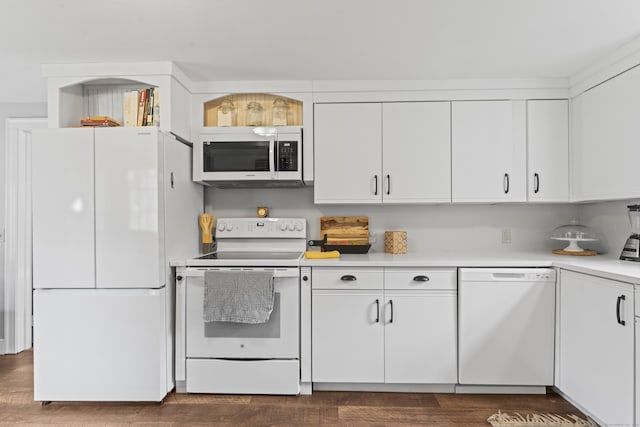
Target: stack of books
(142, 107)
(100, 121)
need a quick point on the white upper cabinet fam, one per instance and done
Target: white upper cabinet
(382, 153)
(348, 150)
(604, 142)
(416, 152)
(548, 150)
(488, 151)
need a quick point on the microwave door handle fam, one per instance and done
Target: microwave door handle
(272, 154)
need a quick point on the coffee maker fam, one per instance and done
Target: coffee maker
(631, 250)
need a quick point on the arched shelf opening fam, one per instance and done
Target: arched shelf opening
(253, 109)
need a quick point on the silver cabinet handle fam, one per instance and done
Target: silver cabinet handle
(536, 183)
(506, 183)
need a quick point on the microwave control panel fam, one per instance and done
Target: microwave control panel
(287, 156)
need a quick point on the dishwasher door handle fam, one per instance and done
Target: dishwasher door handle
(507, 276)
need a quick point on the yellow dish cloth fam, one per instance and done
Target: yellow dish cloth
(321, 255)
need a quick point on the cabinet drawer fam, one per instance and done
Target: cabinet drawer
(417, 279)
(347, 278)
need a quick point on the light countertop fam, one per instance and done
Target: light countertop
(608, 266)
(600, 265)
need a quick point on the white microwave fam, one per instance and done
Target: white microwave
(249, 157)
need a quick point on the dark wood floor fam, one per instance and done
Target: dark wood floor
(322, 408)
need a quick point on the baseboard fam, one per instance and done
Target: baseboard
(306, 388)
(406, 388)
(181, 386)
(500, 389)
(577, 405)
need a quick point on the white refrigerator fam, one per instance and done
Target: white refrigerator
(111, 207)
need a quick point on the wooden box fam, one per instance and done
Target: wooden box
(395, 242)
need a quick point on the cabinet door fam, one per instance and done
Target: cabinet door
(420, 337)
(128, 215)
(488, 151)
(348, 150)
(63, 208)
(604, 144)
(347, 337)
(596, 350)
(416, 141)
(548, 150)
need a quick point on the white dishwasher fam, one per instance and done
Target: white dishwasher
(506, 326)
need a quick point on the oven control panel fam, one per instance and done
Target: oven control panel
(287, 228)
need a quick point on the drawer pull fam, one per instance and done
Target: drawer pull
(377, 311)
(348, 278)
(391, 305)
(421, 278)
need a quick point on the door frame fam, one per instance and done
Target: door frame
(17, 251)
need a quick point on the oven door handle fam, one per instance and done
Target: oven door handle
(277, 272)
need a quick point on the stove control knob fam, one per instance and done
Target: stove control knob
(283, 226)
(229, 227)
(291, 227)
(298, 227)
(222, 226)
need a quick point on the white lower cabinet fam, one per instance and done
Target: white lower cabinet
(596, 346)
(420, 339)
(347, 341)
(392, 325)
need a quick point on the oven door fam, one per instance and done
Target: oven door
(277, 338)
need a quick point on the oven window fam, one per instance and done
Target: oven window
(270, 329)
(250, 156)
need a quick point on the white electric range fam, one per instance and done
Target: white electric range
(241, 358)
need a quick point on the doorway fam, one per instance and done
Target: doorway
(17, 311)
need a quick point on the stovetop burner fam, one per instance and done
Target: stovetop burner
(231, 255)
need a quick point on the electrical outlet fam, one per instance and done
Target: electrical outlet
(506, 235)
(373, 237)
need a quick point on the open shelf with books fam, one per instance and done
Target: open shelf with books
(125, 105)
(136, 94)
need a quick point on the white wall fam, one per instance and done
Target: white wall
(430, 228)
(610, 221)
(8, 110)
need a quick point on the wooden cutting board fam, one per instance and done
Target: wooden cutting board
(345, 230)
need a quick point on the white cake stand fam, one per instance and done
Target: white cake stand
(573, 243)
